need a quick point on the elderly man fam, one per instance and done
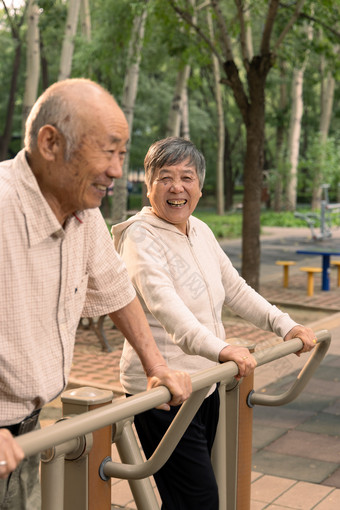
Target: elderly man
(58, 263)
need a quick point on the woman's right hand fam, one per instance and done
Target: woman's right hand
(241, 356)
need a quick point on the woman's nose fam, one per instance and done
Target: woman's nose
(176, 186)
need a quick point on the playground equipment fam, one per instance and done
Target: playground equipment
(324, 219)
(77, 468)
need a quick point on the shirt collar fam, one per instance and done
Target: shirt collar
(41, 222)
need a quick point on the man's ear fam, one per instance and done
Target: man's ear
(49, 142)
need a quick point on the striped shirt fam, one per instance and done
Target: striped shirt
(50, 276)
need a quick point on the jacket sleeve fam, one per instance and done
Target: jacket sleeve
(249, 304)
(153, 282)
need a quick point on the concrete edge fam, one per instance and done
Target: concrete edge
(76, 382)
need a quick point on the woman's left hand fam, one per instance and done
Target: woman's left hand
(307, 336)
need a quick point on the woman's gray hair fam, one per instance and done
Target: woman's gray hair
(171, 151)
(60, 109)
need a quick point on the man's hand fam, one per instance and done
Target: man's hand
(178, 383)
(245, 361)
(11, 453)
(307, 336)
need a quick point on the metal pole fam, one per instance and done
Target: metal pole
(323, 218)
(84, 489)
(130, 453)
(218, 454)
(245, 434)
(52, 474)
(52, 484)
(224, 452)
(232, 423)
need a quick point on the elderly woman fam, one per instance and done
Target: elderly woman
(183, 278)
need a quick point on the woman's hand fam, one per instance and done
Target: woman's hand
(307, 336)
(241, 356)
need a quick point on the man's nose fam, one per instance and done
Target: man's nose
(115, 169)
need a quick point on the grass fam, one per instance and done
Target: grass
(230, 224)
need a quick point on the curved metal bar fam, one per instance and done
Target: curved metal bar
(318, 353)
(165, 447)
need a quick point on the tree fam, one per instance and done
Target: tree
(179, 105)
(248, 89)
(221, 128)
(15, 21)
(326, 105)
(68, 43)
(295, 128)
(32, 61)
(128, 105)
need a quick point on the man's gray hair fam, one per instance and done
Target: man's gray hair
(60, 109)
(171, 151)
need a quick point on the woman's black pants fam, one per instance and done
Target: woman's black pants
(186, 481)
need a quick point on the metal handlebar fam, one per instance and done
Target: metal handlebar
(318, 353)
(121, 409)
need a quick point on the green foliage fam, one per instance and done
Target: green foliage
(321, 163)
(229, 225)
(171, 43)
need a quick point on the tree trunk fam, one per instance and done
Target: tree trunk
(294, 138)
(327, 98)
(120, 192)
(85, 18)
(32, 63)
(280, 138)
(175, 113)
(44, 66)
(68, 42)
(253, 113)
(228, 172)
(5, 138)
(220, 126)
(295, 128)
(15, 24)
(185, 126)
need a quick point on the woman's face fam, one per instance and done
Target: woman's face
(174, 193)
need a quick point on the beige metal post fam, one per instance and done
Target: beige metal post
(84, 489)
(245, 436)
(130, 453)
(224, 454)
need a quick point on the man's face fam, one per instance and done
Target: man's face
(81, 182)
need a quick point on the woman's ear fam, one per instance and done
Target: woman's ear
(49, 142)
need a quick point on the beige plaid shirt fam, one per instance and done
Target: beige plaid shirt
(50, 276)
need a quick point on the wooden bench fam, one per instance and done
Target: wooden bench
(285, 264)
(337, 264)
(310, 278)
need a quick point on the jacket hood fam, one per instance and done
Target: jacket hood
(148, 217)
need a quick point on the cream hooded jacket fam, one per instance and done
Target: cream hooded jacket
(182, 282)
